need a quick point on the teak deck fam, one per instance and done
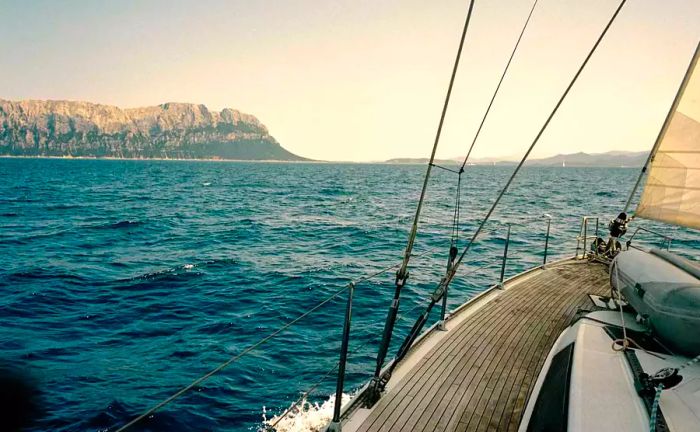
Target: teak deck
(479, 376)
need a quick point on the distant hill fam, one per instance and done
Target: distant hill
(170, 130)
(421, 161)
(608, 159)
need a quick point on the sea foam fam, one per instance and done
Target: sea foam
(304, 417)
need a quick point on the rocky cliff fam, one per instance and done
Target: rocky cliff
(170, 130)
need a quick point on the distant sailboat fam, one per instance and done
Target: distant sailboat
(563, 164)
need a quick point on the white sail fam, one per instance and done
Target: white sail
(672, 190)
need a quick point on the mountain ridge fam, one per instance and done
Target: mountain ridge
(615, 158)
(172, 130)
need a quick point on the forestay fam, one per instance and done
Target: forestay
(672, 191)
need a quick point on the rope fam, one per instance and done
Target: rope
(660, 388)
(498, 87)
(624, 342)
(655, 408)
(455, 217)
(690, 362)
(444, 168)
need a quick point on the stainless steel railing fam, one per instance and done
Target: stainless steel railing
(583, 234)
(667, 239)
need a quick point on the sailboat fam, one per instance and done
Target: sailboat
(604, 340)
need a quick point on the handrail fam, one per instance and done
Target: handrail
(583, 234)
(584, 237)
(667, 239)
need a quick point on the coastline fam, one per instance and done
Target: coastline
(309, 161)
(163, 159)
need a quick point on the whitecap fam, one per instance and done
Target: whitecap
(304, 417)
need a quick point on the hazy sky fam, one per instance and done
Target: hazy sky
(364, 80)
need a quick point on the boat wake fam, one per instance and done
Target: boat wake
(305, 417)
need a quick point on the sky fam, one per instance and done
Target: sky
(364, 80)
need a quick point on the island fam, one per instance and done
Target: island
(37, 128)
(609, 159)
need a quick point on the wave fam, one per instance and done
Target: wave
(303, 417)
(180, 270)
(62, 207)
(120, 224)
(42, 274)
(118, 413)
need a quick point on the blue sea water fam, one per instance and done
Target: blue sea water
(122, 281)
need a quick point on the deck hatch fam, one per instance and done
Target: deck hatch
(551, 411)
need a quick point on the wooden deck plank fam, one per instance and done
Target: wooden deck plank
(499, 402)
(423, 368)
(472, 353)
(449, 347)
(432, 368)
(469, 360)
(533, 310)
(480, 375)
(541, 329)
(600, 282)
(469, 369)
(467, 357)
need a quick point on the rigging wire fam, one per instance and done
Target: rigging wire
(498, 87)
(536, 140)
(232, 359)
(260, 342)
(444, 168)
(454, 241)
(444, 283)
(438, 133)
(402, 273)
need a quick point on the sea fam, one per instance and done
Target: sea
(123, 281)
